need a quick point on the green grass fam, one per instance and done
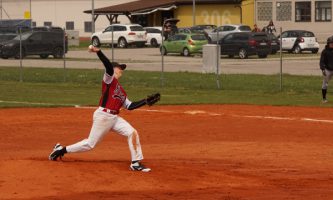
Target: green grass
(59, 87)
(83, 45)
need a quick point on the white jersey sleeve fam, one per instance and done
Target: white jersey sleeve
(107, 78)
(127, 103)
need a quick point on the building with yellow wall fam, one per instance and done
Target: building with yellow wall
(248, 12)
(208, 14)
(215, 12)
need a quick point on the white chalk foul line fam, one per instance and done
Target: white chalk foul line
(288, 118)
(161, 111)
(37, 103)
(201, 112)
(189, 112)
(317, 120)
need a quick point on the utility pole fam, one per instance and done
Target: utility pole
(1, 10)
(30, 14)
(193, 12)
(93, 16)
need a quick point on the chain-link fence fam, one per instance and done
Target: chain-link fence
(150, 59)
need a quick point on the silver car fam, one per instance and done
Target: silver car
(221, 31)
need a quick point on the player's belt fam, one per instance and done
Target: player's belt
(113, 112)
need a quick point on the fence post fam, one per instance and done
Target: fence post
(112, 45)
(217, 61)
(21, 73)
(162, 55)
(280, 59)
(64, 52)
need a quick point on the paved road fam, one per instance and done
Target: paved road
(149, 59)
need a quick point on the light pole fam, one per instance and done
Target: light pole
(30, 13)
(193, 12)
(93, 16)
(1, 10)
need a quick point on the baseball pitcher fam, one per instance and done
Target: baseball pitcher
(106, 117)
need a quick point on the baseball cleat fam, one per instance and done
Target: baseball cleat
(325, 101)
(139, 167)
(57, 152)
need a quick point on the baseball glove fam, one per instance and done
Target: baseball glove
(153, 98)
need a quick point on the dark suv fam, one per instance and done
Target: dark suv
(40, 41)
(9, 32)
(245, 44)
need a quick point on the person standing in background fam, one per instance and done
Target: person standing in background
(256, 29)
(270, 28)
(326, 66)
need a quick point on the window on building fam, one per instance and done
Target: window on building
(34, 24)
(47, 23)
(265, 10)
(283, 11)
(303, 11)
(323, 10)
(88, 27)
(70, 25)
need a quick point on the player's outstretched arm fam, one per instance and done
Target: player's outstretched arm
(107, 64)
(137, 104)
(150, 100)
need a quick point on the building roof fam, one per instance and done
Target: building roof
(146, 5)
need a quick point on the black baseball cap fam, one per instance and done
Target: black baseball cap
(330, 40)
(121, 66)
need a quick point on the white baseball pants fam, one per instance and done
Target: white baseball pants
(104, 122)
(326, 78)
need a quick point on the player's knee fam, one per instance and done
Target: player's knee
(133, 133)
(91, 144)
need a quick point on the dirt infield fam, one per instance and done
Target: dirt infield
(230, 152)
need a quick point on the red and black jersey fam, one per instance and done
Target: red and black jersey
(113, 94)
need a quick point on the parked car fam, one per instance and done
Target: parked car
(154, 35)
(218, 33)
(48, 28)
(170, 27)
(185, 44)
(186, 30)
(199, 29)
(298, 41)
(274, 42)
(245, 44)
(8, 33)
(205, 27)
(38, 42)
(123, 35)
